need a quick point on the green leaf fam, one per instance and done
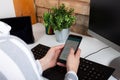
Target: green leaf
(59, 17)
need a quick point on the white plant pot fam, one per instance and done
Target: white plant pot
(61, 36)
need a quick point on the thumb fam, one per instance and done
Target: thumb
(77, 54)
(72, 51)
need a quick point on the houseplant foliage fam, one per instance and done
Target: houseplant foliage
(47, 23)
(59, 18)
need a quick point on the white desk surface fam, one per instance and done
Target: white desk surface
(88, 45)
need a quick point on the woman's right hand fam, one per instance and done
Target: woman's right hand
(73, 60)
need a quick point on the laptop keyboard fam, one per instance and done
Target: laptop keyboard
(88, 70)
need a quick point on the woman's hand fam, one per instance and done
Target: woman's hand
(50, 59)
(73, 60)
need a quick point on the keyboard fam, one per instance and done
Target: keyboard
(88, 70)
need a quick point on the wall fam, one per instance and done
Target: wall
(13, 8)
(7, 11)
(81, 9)
(25, 8)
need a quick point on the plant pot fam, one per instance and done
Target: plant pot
(49, 30)
(61, 36)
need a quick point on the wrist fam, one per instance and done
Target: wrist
(44, 64)
(71, 69)
(71, 75)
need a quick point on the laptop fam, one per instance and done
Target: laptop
(21, 27)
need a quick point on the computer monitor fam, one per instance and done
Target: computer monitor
(104, 21)
(104, 24)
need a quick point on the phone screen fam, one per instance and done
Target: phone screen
(72, 42)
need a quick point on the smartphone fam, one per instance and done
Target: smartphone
(73, 41)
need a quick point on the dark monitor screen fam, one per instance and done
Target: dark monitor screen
(21, 27)
(104, 21)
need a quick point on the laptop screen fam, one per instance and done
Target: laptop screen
(21, 27)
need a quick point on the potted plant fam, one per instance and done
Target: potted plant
(47, 23)
(61, 18)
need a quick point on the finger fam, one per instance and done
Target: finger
(60, 64)
(59, 47)
(58, 53)
(78, 53)
(72, 51)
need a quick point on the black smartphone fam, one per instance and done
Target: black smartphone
(73, 41)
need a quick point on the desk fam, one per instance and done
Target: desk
(88, 45)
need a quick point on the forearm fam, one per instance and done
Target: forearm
(71, 75)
